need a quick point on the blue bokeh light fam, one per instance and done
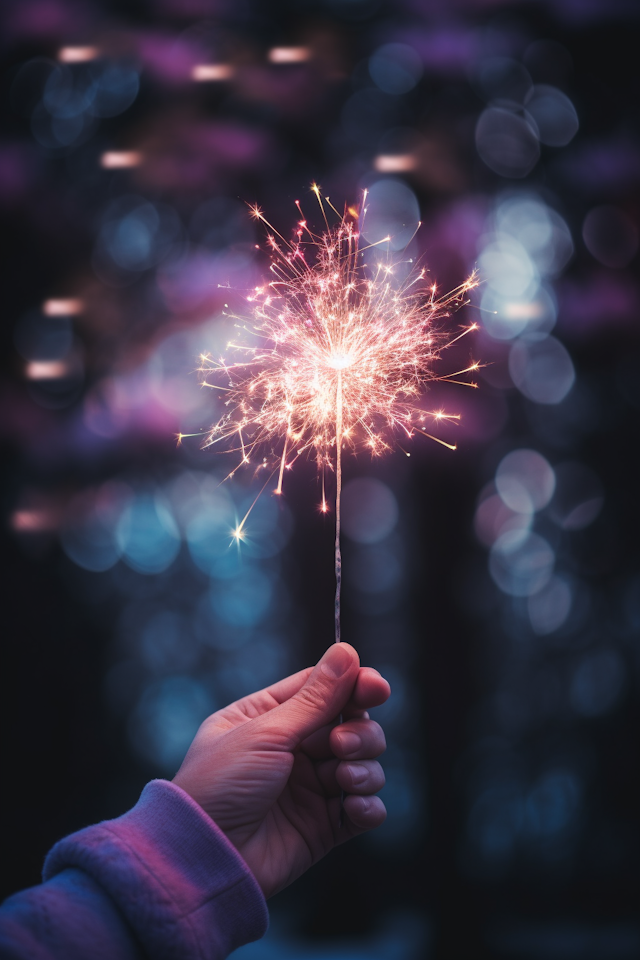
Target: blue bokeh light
(395, 68)
(166, 719)
(147, 534)
(521, 563)
(597, 683)
(392, 211)
(115, 86)
(243, 601)
(553, 803)
(89, 537)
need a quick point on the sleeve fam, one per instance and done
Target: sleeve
(161, 881)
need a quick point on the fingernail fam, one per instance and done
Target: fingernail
(349, 742)
(358, 772)
(336, 661)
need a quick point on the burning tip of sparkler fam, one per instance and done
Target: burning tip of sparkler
(340, 361)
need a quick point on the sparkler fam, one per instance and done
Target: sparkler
(338, 353)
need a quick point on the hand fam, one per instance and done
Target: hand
(270, 768)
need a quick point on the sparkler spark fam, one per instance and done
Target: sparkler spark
(338, 354)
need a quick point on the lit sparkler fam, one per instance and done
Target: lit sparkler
(338, 354)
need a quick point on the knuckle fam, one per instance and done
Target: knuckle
(311, 695)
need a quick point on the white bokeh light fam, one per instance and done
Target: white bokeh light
(525, 481)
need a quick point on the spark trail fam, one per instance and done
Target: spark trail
(338, 354)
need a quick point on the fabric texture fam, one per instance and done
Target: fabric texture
(161, 881)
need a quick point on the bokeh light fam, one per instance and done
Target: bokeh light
(525, 481)
(521, 563)
(395, 67)
(542, 370)
(392, 211)
(554, 115)
(507, 142)
(167, 718)
(147, 534)
(89, 536)
(550, 607)
(597, 683)
(370, 510)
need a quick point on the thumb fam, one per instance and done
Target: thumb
(319, 700)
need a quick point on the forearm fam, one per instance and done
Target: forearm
(68, 918)
(160, 881)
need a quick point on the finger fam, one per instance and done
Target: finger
(317, 746)
(361, 814)
(361, 777)
(371, 689)
(357, 740)
(258, 703)
(321, 698)
(284, 689)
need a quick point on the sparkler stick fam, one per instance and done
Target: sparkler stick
(338, 552)
(338, 351)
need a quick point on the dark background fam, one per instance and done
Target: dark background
(513, 774)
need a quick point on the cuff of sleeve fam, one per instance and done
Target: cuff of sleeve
(183, 887)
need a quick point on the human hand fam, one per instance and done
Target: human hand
(270, 768)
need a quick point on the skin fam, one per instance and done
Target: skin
(270, 769)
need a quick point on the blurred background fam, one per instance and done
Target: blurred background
(498, 587)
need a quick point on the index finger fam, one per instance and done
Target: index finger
(262, 701)
(371, 689)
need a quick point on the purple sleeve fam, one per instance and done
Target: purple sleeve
(161, 881)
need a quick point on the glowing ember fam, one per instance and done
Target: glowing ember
(338, 354)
